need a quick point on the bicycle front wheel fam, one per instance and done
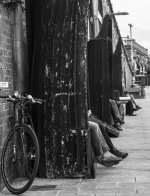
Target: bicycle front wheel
(20, 159)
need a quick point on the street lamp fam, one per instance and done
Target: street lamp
(130, 25)
(133, 66)
(119, 13)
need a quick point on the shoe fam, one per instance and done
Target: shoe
(112, 132)
(118, 153)
(108, 160)
(133, 115)
(119, 120)
(109, 164)
(138, 107)
(118, 127)
(98, 159)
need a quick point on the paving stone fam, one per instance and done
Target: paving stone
(86, 193)
(66, 193)
(106, 185)
(105, 194)
(129, 194)
(129, 178)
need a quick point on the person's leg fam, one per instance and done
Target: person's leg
(115, 111)
(133, 101)
(100, 148)
(98, 142)
(129, 108)
(114, 108)
(103, 130)
(113, 149)
(135, 104)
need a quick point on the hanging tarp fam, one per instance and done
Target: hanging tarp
(61, 47)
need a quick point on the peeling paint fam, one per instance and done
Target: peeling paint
(46, 70)
(67, 65)
(65, 89)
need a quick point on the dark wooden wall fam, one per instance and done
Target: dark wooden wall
(117, 68)
(101, 72)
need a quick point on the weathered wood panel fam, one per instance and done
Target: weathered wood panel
(117, 68)
(95, 61)
(57, 37)
(101, 71)
(65, 31)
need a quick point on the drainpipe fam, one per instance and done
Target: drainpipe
(18, 46)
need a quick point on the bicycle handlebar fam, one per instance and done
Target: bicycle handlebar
(16, 97)
(4, 96)
(38, 100)
(34, 100)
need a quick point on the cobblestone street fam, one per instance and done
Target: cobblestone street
(130, 177)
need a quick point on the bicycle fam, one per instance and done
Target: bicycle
(20, 154)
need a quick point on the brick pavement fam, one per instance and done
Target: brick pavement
(131, 177)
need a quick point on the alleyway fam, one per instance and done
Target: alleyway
(130, 177)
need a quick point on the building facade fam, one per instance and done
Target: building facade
(138, 57)
(74, 51)
(12, 61)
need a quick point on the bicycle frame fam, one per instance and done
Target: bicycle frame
(19, 108)
(21, 147)
(16, 123)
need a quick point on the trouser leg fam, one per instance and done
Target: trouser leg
(133, 101)
(104, 132)
(98, 142)
(129, 108)
(114, 108)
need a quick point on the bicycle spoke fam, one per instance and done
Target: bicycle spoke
(20, 161)
(20, 154)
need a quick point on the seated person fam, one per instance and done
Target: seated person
(115, 114)
(101, 150)
(102, 129)
(131, 105)
(142, 92)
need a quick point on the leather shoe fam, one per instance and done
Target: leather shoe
(110, 158)
(118, 153)
(108, 161)
(133, 115)
(119, 120)
(138, 107)
(118, 127)
(109, 164)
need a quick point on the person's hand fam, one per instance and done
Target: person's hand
(89, 113)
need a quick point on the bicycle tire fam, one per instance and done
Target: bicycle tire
(14, 166)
